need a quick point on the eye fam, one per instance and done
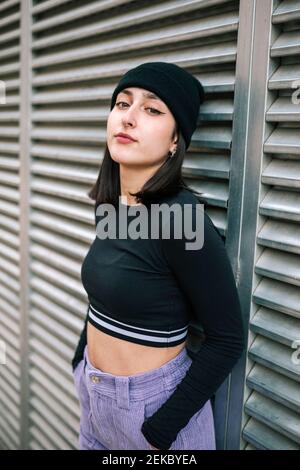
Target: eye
(152, 109)
(155, 110)
(120, 102)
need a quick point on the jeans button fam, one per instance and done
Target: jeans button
(95, 379)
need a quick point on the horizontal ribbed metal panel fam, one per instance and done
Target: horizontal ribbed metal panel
(10, 388)
(273, 404)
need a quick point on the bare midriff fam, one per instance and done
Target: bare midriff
(120, 357)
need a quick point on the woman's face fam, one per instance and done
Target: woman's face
(145, 118)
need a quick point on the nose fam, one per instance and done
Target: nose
(129, 116)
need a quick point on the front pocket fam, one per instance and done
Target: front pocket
(102, 419)
(87, 435)
(152, 405)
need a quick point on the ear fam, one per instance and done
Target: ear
(176, 136)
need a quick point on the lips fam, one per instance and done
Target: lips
(125, 136)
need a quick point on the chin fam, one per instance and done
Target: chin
(126, 158)
(131, 162)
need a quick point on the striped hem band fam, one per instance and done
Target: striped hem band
(135, 334)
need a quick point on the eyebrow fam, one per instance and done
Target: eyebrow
(145, 94)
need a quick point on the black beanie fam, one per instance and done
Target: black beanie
(179, 89)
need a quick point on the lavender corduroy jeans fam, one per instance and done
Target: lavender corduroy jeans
(113, 407)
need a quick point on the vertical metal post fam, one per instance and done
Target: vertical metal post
(247, 144)
(24, 207)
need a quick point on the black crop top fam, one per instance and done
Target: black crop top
(147, 291)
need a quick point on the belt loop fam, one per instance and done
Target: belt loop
(122, 392)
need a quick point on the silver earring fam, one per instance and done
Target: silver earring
(172, 153)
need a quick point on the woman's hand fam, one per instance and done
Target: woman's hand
(151, 446)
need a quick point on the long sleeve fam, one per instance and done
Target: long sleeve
(78, 355)
(206, 278)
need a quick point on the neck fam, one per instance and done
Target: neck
(132, 180)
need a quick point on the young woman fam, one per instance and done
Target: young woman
(138, 385)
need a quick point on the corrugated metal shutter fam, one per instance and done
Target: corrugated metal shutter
(274, 402)
(9, 225)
